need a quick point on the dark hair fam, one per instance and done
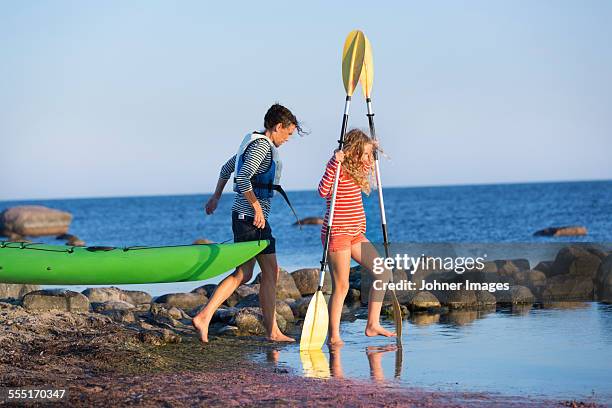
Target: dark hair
(279, 114)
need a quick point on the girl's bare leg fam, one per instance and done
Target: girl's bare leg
(364, 253)
(241, 275)
(340, 265)
(267, 296)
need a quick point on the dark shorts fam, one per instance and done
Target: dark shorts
(244, 230)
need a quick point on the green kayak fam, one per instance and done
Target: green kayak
(60, 265)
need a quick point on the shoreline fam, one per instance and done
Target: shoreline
(101, 362)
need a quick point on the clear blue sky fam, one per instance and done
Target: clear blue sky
(148, 97)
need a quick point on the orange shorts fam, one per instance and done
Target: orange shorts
(342, 241)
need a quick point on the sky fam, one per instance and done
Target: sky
(123, 98)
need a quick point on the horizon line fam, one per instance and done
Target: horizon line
(306, 190)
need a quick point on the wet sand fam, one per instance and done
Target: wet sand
(102, 363)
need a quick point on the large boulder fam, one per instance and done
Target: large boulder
(603, 281)
(307, 281)
(183, 301)
(533, 279)
(15, 290)
(568, 288)
(250, 321)
(285, 286)
(34, 220)
(566, 231)
(138, 297)
(111, 305)
(457, 299)
(516, 295)
(577, 261)
(242, 292)
(107, 294)
(422, 300)
(208, 289)
(56, 299)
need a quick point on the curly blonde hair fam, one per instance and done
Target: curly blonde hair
(355, 142)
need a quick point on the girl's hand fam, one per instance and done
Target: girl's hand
(339, 155)
(211, 205)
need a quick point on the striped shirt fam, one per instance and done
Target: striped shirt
(257, 160)
(349, 216)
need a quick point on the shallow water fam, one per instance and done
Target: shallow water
(561, 353)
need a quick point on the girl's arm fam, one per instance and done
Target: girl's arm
(327, 181)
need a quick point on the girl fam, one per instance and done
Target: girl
(348, 228)
(256, 168)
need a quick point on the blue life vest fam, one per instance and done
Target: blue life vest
(264, 184)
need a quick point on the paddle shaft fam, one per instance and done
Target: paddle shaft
(330, 220)
(381, 200)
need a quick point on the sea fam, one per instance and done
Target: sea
(557, 352)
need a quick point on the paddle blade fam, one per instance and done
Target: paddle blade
(314, 330)
(397, 317)
(367, 72)
(315, 364)
(352, 60)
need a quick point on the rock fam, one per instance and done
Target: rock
(300, 306)
(307, 281)
(111, 305)
(533, 279)
(573, 230)
(206, 290)
(240, 293)
(228, 330)
(66, 237)
(568, 288)
(355, 277)
(423, 300)
(250, 321)
(202, 241)
(457, 299)
(284, 310)
(544, 266)
(224, 315)
(56, 299)
(101, 295)
(158, 337)
(485, 299)
(76, 243)
(251, 300)
(121, 316)
(34, 220)
(16, 290)
(183, 300)
(387, 311)
(285, 286)
(603, 281)
(577, 261)
(516, 295)
(310, 221)
(137, 297)
(353, 296)
(521, 264)
(163, 316)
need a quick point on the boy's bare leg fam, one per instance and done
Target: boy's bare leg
(241, 275)
(365, 258)
(340, 265)
(267, 296)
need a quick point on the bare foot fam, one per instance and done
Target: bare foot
(335, 342)
(200, 323)
(280, 337)
(378, 330)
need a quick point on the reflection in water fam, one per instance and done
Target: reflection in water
(314, 364)
(375, 354)
(424, 319)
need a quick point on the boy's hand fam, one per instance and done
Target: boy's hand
(211, 205)
(339, 155)
(260, 220)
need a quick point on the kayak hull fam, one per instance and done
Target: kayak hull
(60, 265)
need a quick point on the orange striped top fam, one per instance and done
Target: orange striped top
(349, 215)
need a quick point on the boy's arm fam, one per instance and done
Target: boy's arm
(226, 172)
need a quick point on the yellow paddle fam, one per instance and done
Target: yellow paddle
(314, 330)
(367, 80)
